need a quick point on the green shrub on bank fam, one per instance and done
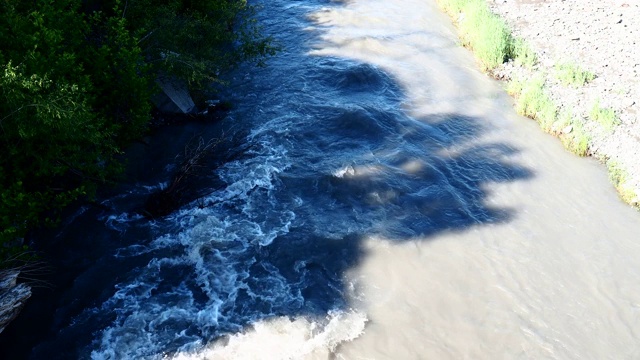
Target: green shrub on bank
(532, 101)
(577, 141)
(523, 54)
(76, 78)
(572, 134)
(570, 74)
(605, 116)
(482, 31)
(619, 179)
(487, 34)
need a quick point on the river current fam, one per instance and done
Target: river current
(390, 205)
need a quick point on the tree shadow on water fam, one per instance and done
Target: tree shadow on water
(425, 179)
(399, 179)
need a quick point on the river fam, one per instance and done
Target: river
(391, 205)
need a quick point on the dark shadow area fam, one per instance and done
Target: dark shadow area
(332, 159)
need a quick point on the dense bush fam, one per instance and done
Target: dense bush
(196, 40)
(76, 79)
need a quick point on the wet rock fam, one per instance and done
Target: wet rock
(161, 203)
(174, 97)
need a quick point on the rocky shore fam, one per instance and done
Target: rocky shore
(599, 36)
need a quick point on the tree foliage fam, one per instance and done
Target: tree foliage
(196, 40)
(76, 78)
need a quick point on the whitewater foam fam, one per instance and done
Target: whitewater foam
(282, 338)
(195, 277)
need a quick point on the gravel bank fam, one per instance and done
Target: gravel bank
(601, 36)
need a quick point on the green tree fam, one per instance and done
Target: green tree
(76, 78)
(196, 40)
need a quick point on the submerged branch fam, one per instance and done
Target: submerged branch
(199, 160)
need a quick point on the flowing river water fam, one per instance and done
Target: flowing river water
(391, 206)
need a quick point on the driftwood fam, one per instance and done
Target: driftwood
(13, 296)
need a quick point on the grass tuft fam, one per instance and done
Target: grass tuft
(481, 30)
(572, 134)
(605, 116)
(570, 74)
(532, 101)
(523, 54)
(487, 34)
(619, 179)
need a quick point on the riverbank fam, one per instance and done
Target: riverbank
(587, 72)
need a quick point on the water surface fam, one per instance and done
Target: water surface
(390, 205)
